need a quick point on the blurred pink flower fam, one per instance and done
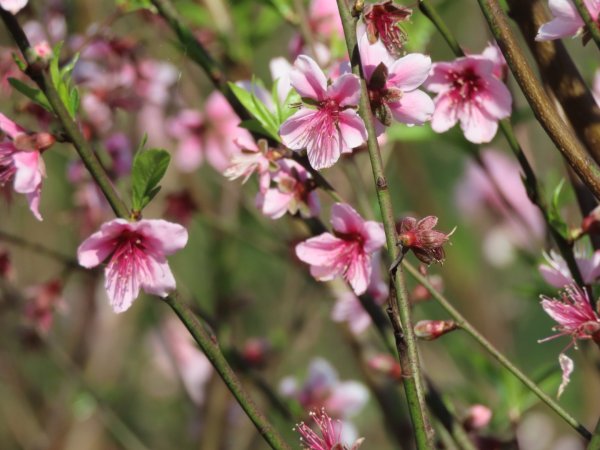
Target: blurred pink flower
(13, 6)
(478, 417)
(333, 127)
(42, 302)
(386, 364)
(469, 92)
(137, 252)
(347, 251)
(293, 191)
(325, 25)
(120, 150)
(393, 83)
(21, 161)
(596, 87)
(348, 307)
(557, 274)
(181, 206)
(252, 158)
(499, 190)
(173, 344)
(323, 389)
(566, 20)
(211, 135)
(330, 431)
(430, 330)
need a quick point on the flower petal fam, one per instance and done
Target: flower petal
(30, 171)
(159, 280)
(100, 245)
(308, 78)
(165, 237)
(345, 90)
(414, 108)
(322, 250)
(445, 114)
(345, 219)
(410, 71)
(566, 366)
(352, 129)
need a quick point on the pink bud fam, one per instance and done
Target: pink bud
(591, 223)
(256, 352)
(386, 365)
(478, 416)
(433, 329)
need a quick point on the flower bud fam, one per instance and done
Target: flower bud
(478, 416)
(386, 365)
(420, 237)
(433, 329)
(591, 222)
(256, 352)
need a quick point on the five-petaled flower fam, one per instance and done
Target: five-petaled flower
(382, 21)
(330, 434)
(420, 237)
(566, 20)
(393, 83)
(21, 161)
(331, 125)
(137, 257)
(469, 90)
(347, 251)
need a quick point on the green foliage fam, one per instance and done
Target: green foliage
(266, 122)
(33, 94)
(555, 217)
(149, 167)
(61, 78)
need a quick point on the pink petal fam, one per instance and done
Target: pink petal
(348, 309)
(371, 55)
(345, 219)
(325, 273)
(345, 90)
(566, 366)
(358, 273)
(477, 125)
(352, 129)
(445, 114)
(375, 236)
(164, 237)
(566, 22)
(438, 77)
(33, 198)
(410, 71)
(496, 99)
(121, 290)
(13, 6)
(10, 128)
(294, 131)
(347, 398)
(189, 154)
(308, 78)
(30, 171)
(414, 108)
(322, 250)
(275, 203)
(325, 150)
(101, 244)
(321, 375)
(161, 281)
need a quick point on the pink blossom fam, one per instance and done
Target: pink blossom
(347, 251)
(175, 348)
(209, 135)
(330, 431)
(120, 150)
(21, 161)
(293, 191)
(323, 389)
(42, 302)
(566, 19)
(348, 307)
(333, 127)
(573, 313)
(252, 158)
(386, 364)
(393, 83)
(557, 274)
(468, 92)
(13, 6)
(478, 417)
(325, 25)
(419, 236)
(137, 257)
(382, 20)
(430, 330)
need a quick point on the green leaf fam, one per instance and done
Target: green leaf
(61, 78)
(257, 109)
(35, 95)
(254, 126)
(134, 5)
(554, 216)
(149, 167)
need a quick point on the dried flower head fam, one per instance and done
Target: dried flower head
(420, 237)
(382, 20)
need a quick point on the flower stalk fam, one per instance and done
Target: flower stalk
(591, 25)
(399, 307)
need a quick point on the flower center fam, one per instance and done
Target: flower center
(466, 84)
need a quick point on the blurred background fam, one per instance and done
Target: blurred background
(75, 375)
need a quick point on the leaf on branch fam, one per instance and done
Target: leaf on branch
(149, 168)
(257, 109)
(33, 94)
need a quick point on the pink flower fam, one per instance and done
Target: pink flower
(382, 22)
(557, 274)
(420, 237)
(566, 19)
(469, 92)
(174, 348)
(348, 307)
(393, 83)
(330, 433)
(252, 159)
(323, 389)
(42, 302)
(478, 417)
(293, 191)
(21, 161)
(325, 25)
(333, 127)
(13, 6)
(209, 135)
(430, 330)
(347, 251)
(137, 253)
(573, 313)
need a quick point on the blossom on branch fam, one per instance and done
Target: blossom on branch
(137, 257)
(329, 436)
(470, 92)
(345, 252)
(393, 83)
(420, 237)
(382, 22)
(556, 273)
(566, 20)
(327, 124)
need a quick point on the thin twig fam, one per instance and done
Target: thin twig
(591, 25)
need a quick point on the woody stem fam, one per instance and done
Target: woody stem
(399, 307)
